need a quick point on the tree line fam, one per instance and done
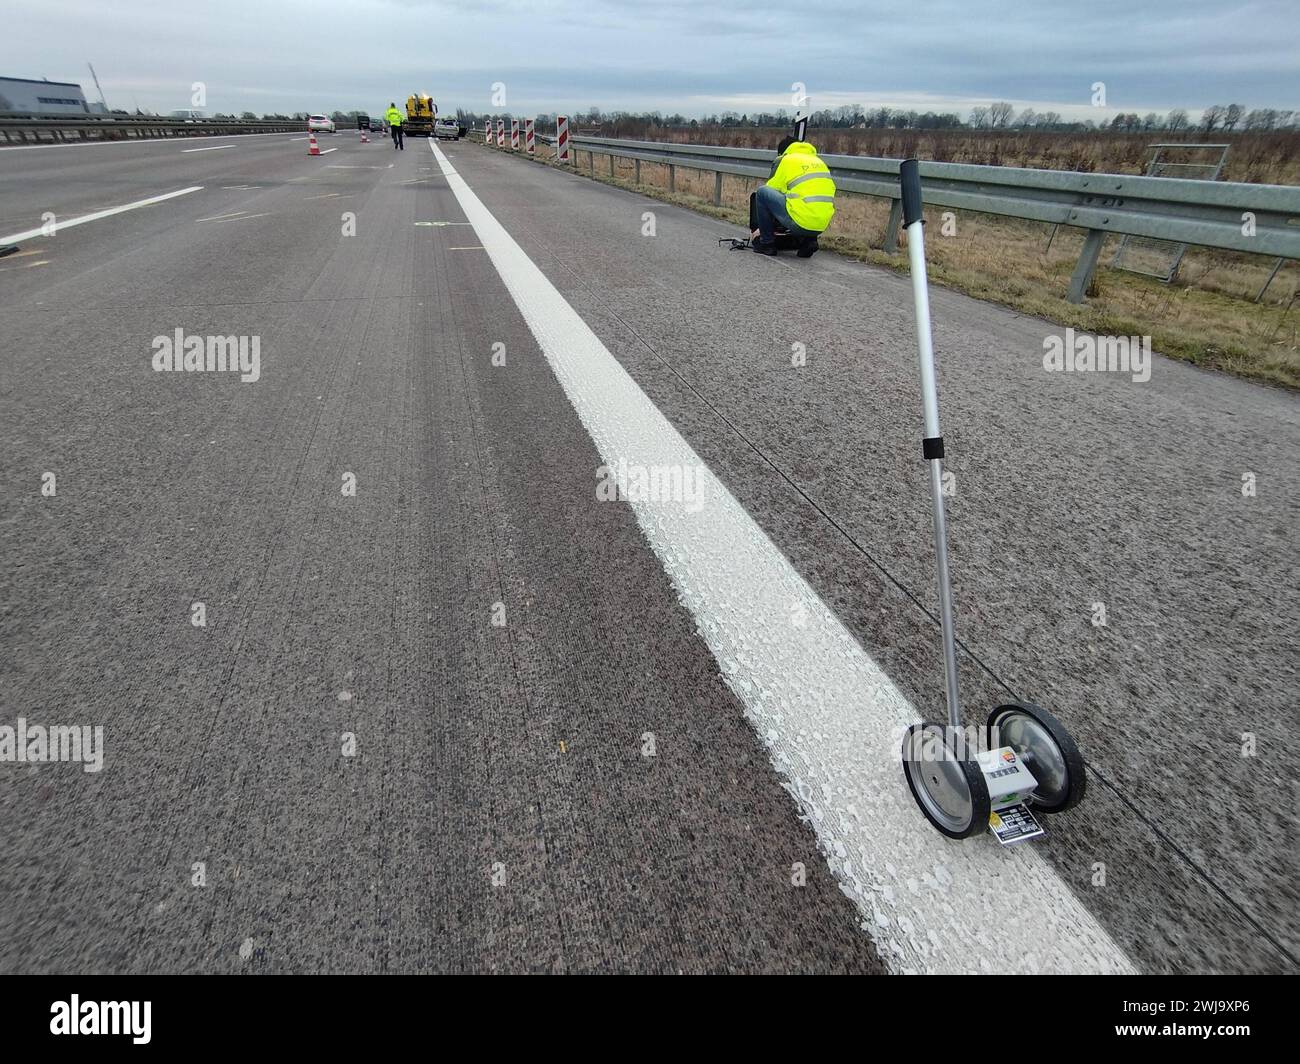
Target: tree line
(1219, 118)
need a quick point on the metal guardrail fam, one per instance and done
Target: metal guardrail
(25, 128)
(1258, 219)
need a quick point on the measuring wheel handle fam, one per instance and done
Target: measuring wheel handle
(1046, 748)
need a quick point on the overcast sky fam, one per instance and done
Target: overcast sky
(669, 55)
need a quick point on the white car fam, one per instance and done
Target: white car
(320, 124)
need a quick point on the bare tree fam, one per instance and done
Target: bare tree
(1028, 118)
(1232, 115)
(1211, 117)
(979, 117)
(1177, 120)
(1000, 114)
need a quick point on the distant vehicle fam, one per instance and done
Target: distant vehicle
(447, 129)
(189, 114)
(320, 124)
(363, 122)
(420, 113)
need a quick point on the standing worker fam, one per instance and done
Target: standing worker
(394, 119)
(799, 197)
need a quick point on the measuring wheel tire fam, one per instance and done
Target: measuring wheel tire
(948, 787)
(1042, 742)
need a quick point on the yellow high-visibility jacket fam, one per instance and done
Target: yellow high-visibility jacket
(806, 183)
(394, 117)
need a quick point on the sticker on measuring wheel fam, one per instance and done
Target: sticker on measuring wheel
(1014, 824)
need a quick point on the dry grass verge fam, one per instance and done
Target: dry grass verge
(1207, 317)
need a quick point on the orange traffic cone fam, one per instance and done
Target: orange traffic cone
(365, 138)
(312, 148)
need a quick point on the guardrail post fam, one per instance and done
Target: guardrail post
(638, 171)
(1276, 266)
(611, 164)
(717, 189)
(890, 246)
(1086, 265)
(591, 157)
(672, 178)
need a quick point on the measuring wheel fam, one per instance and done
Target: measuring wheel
(1046, 748)
(949, 788)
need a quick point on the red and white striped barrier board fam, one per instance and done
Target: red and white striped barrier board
(501, 132)
(562, 138)
(529, 138)
(514, 134)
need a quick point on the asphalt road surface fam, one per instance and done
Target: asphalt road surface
(390, 680)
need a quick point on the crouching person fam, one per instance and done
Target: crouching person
(797, 203)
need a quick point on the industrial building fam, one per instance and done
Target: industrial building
(27, 95)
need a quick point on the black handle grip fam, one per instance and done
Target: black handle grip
(909, 177)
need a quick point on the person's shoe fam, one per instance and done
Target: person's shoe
(763, 249)
(808, 249)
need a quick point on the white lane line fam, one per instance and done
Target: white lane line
(70, 222)
(326, 151)
(831, 718)
(215, 147)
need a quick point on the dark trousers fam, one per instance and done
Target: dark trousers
(768, 215)
(396, 131)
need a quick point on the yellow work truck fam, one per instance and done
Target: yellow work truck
(421, 112)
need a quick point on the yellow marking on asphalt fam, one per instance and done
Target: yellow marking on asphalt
(24, 266)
